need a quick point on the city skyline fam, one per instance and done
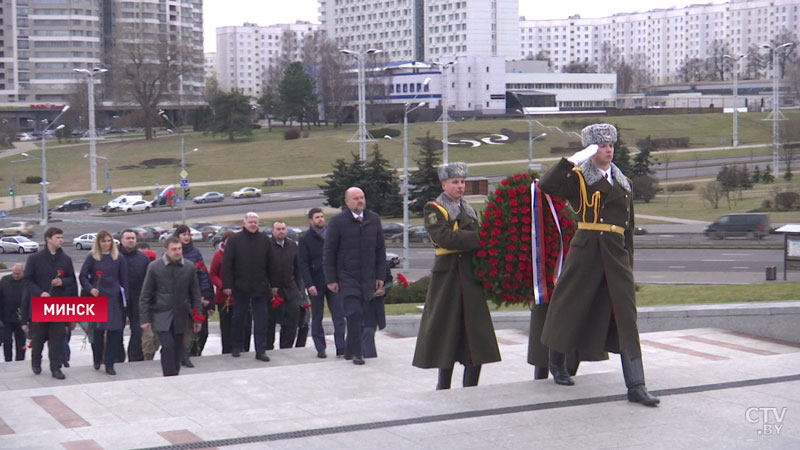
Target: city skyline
(218, 13)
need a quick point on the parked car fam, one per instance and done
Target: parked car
(209, 231)
(86, 240)
(196, 235)
(120, 203)
(209, 197)
(392, 260)
(247, 192)
(17, 229)
(76, 204)
(17, 244)
(217, 238)
(138, 205)
(390, 229)
(23, 137)
(752, 225)
(415, 234)
(156, 232)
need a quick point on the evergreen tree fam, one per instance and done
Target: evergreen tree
(642, 162)
(425, 180)
(344, 175)
(756, 176)
(231, 114)
(622, 156)
(382, 186)
(766, 176)
(296, 94)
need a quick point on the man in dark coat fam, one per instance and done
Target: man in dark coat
(455, 324)
(12, 289)
(48, 273)
(245, 275)
(284, 276)
(169, 294)
(593, 308)
(137, 269)
(354, 261)
(310, 258)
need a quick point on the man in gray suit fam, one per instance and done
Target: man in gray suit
(167, 311)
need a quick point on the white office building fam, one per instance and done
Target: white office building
(245, 53)
(420, 30)
(661, 40)
(209, 61)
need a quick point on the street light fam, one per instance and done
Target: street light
(43, 203)
(105, 168)
(362, 136)
(90, 73)
(737, 62)
(183, 174)
(13, 185)
(776, 106)
(445, 117)
(407, 109)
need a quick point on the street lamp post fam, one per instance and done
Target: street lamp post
(90, 73)
(531, 139)
(43, 203)
(362, 136)
(13, 178)
(737, 62)
(183, 174)
(776, 106)
(445, 119)
(107, 175)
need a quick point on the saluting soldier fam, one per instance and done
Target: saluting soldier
(593, 309)
(456, 324)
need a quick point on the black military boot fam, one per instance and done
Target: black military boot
(36, 365)
(445, 376)
(540, 373)
(558, 367)
(471, 375)
(572, 366)
(633, 371)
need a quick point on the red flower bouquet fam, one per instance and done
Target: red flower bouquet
(198, 316)
(402, 281)
(277, 301)
(199, 266)
(521, 248)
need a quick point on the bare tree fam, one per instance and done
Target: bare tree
(712, 192)
(716, 64)
(692, 70)
(609, 57)
(754, 65)
(332, 84)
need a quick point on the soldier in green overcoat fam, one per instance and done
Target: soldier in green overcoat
(456, 324)
(593, 309)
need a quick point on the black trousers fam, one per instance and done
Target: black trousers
(13, 332)
(55, 334)
(199, 343)
(302, 327)
(287, 316)
(171, 351)
(259, 307)
(135, 352)
(105, 347)
(225, 325)
(354, 316)
(337, 315)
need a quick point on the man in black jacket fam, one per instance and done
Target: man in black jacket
(137, 269)
(49, 273)
(245, 275)
(310, 259)
(284, 276)
(11, 291)
(354, 260)
(170, 293)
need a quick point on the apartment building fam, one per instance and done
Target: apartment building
(660, 40)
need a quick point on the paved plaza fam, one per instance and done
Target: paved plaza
(718, 389)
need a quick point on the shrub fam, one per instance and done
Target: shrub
(664, 143)
(272, 182)
(787, 200)
(577, 123)
(381, 132)
(680, 187)
(571, 147)
(291, 133)
(415, 293)
(766, 204)
(33, 179)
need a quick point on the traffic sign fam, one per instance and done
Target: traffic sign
(184, 173)
(3, 213)
(184, 183)
(178, 200)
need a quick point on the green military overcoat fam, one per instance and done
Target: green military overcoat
(456, 324)
(593, 309)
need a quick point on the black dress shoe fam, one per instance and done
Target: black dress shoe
(187, 362)
(66, 363)
(357, 360)
(97, 366)
(235, 353)
(322, 355)
(639, 394)
(58, 374)
(111, 371)
(339, 353)
(36, 366)
(262, 357)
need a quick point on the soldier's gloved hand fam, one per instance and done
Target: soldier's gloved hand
(581, 156)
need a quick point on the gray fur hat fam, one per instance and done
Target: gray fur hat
(452, 170)
(597, 133)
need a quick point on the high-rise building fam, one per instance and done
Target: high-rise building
(659, 41)
(420, 30)
(246, 53)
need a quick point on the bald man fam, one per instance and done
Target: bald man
(354, 261)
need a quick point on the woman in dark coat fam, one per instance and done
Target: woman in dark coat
(105, 274)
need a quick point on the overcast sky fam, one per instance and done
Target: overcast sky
(220, 13)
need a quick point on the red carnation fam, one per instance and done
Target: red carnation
(493, 240)
(515, 210)
(493, 252)
(526, 209)
(512, 193)
(490, 206)
(498, 214)
(511, 247)
(498, 222)
(402, 280)
(514, 238)
(487, 213)
(482, 242)
(526, 237)
(512, 229)
(522, 189)
(526, 199)
(517, 176)
(518, 275)
(505, 182)
(509, 258)
(526, 219)
(493, 262)
(513, 202)
(99, 274)
(498, 199)
(525, 175)
(496, 231)
(59, 273)
(481, 253)
(498, 192)
(483, 233)
(514, 219)
(492, 273)
(487, 285)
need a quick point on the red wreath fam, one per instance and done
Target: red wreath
(504, 262)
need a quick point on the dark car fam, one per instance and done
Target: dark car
(390, 229)
(76, 204)
(156, 232)
(415, 234)
(217, 238)
(209, 197)
(752, 225)
(209, 231)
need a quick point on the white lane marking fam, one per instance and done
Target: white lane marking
(676, 267)
(739, 267)
(735, 254)
(717, 260)
(656, 276)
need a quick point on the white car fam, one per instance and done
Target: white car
(138, 205)
(247, 192)
(196, 235)
(18, 244)
(85, 241)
